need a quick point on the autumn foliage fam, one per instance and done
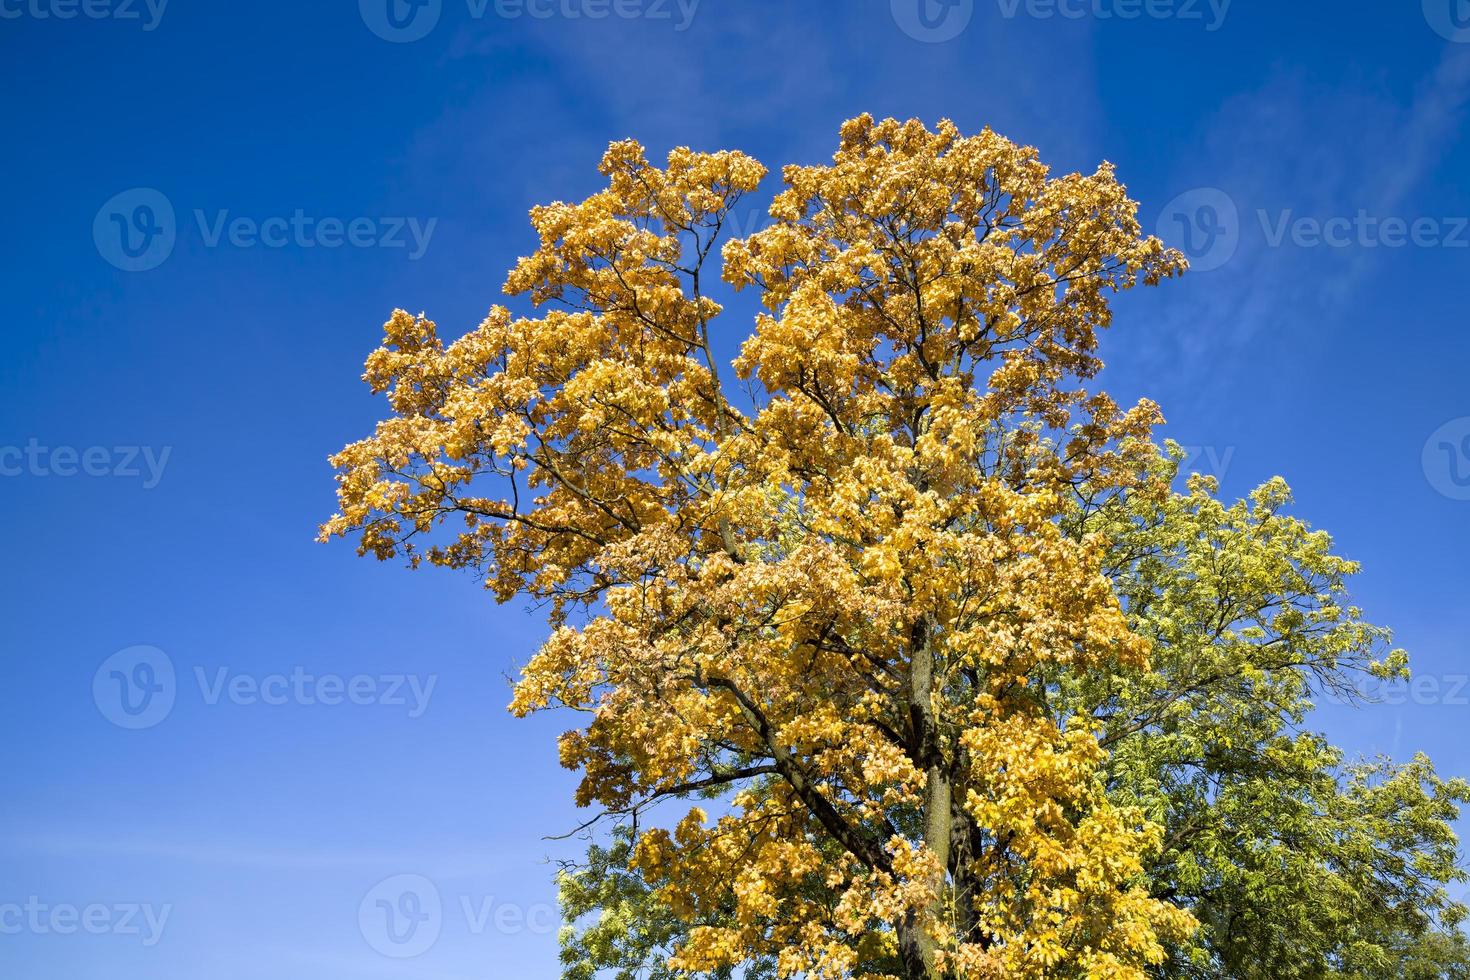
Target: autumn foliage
(848, 591)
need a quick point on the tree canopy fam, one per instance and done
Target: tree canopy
(955, 678)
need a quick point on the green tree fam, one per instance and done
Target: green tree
(1296, 862)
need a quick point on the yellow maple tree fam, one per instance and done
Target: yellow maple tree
(827, 596)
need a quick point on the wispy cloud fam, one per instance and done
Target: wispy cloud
(1295, 148)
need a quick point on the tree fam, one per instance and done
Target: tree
(896, 606)
(1297, 864)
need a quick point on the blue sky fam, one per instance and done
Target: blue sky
(212, 208)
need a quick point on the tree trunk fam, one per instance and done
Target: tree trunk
(914, 941)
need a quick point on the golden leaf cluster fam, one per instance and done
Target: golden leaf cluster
(828, 597)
